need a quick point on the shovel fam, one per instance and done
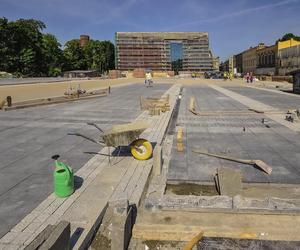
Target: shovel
(257, 163)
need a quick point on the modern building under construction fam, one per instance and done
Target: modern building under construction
(163, 51)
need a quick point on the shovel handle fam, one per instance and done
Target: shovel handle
(259, 163)
(224, 157)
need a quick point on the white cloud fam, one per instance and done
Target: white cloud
(230, 15)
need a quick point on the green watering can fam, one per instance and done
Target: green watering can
(63, 178)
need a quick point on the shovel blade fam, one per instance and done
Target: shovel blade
(264, 166)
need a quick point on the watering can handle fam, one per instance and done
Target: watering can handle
(55, 157)
(65, 167)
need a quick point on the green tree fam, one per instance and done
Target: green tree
(288, 36)
(27, 61)
(21, 45)
(99, 55)
(109, 55)
(5, 45)
(74, 57)
(53, 55)
(26, 51)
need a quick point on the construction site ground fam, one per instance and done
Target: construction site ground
(227, 126)
(173, 205)
(29, 137)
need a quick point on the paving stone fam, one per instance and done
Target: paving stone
(222, 133)
(9, 237)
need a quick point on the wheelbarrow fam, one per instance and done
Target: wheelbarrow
(124, 135)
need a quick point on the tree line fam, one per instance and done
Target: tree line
(26, 51)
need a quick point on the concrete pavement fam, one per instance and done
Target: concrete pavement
(223, 133)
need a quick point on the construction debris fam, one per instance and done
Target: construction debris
(68, 97)
(162, 103)
(292, 115)
(193, 241)
(74, 92)
(154, 111)
(256, 163)
(78, 92)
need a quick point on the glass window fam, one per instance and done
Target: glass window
(176, 56)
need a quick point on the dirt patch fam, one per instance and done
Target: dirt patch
(102, 239)
(191, 189)
(224, 244)
(101, 242)
(162, 245)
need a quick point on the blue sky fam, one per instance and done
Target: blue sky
(233, 25)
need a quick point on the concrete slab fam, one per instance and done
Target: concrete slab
(242, 135)
(277, 100)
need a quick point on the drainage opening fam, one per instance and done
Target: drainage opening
(191, 189)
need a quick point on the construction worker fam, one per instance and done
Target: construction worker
(225, 76)
(148, 80)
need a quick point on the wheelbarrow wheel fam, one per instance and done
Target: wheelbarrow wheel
(141, 149)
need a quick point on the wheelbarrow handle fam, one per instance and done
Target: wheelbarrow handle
(88, 138)
(95, 125)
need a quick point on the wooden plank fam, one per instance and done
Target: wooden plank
(40, 238)
(121, 186)
(181, 225)
(59, 238)
(193, 241)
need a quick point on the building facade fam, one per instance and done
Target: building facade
(288, 43)
(216, 63)
(238, 62)
(296, 81)
(250, 58)
(179, 51)
(84, 40)
(228, 65)
(288, 60)
(266, 60)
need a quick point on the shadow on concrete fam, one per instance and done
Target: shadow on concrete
(75, 236)
(121, 151)
(77, 182)
(288, 91)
